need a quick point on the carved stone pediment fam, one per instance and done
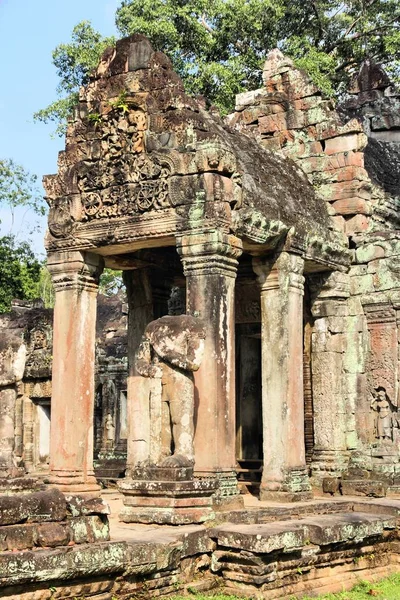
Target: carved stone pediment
(144, 160)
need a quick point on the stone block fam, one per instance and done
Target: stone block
(326, 308)
(65, 563)
(248, 98)
(286, 536)
(354, 306)
(357, 224)
(331, 485)
(307, 103)
(83, 506)
(272, 143)
(339, 223)
(363, 284)
(295, 119)
(369, 252)
(272, 123)
(49, 505)
(346, 143)
(167, 502)
(352, 206)
(345, 190)
(333, 129)
(89, 529)
(350, 173)
(347, 527)
(17, 537)
(364, 487)
(317, 114)
(355, 159)
(52, 534)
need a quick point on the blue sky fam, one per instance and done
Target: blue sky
(29, 31)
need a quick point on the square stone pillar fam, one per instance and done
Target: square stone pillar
(282, 287)
(210, 266)
(140, 302)
(335, 341)
(12, 365)
(75, 277)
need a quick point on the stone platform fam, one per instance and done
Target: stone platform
(267, 550)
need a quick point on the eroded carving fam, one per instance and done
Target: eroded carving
(386, 419)
(171, 349)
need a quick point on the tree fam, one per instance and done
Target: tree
(74, 62)
(218, 46)
(19, 272)
(18, 188)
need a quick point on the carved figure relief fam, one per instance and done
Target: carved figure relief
(110, 430)
(171, 349)
(386, 419)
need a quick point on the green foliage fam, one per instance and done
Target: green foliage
(45, 288)
(121, 102)
(74, 62)
(218, 46)
(19, 272)
(111, 282)
(94, 117)
(19, 188)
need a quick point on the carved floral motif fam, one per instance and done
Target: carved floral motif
(144, 186)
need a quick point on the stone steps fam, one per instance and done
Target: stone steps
(293, 534)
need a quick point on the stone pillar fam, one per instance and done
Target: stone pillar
(210, 266)
(332, 348)
(12, 364)
(75, 277)
(282, 287)
(140, 302)
(28, 434)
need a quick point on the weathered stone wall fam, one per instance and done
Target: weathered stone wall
(350, 155)
(33, 324)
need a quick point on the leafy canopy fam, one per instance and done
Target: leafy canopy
(73, 62)
(218, 46)
(20, 272)
(18, 188)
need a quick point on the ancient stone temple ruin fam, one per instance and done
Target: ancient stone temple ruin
(259, 255)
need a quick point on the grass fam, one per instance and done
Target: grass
(386, 589)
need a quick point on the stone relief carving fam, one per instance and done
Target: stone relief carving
(386, 419)
(110, 429)
(171, 349)
(143, 186)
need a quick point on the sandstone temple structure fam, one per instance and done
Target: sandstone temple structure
(259, 340)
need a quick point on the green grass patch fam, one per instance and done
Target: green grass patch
(386, 589)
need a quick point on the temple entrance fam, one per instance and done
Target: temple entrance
(249, 451)
(42, 450)
(249, 433)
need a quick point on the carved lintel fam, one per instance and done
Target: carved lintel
(379, 313)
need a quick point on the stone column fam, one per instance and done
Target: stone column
(282, 287)
(210, 266)
(334, 343)
(140, 302)
(12, 365)
(75, 277)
